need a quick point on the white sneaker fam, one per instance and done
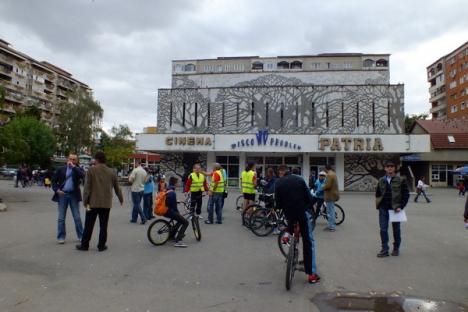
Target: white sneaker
(200, 216)
(61, 241)
(180, 244)
(276, 231)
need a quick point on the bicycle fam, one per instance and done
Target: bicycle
(264, 221)
(161, 230)
(339, 213)
(293, 256)
(264, 201)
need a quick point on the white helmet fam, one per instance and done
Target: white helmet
(322, 173)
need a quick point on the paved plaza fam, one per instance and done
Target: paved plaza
(230, 269)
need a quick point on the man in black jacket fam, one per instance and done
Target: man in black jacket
(391, 194)
(293, 196)
(66, 186)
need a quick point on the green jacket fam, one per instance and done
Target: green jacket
(400, 192)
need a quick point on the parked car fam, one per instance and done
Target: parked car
(7, 172)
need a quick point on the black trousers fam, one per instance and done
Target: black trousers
(91, 216)
(306, 226)
(181, 224)
(196, 201)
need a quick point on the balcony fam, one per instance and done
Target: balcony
(438, 108)
(13, 96)
(6, 70)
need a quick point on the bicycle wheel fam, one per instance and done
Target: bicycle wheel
(159, 232)
(283, 247)
(339, 215)
(262, 222)
(247, 213)
(240, 202)
(291, 264)
(196, 228)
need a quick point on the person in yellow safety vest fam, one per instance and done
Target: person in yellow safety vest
(196, 185)
(216, 193)
(249, 183)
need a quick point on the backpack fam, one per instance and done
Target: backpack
(160, 207)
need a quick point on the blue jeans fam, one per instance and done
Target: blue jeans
(383, 222)
(424, 194)
(63, 203)
(148, 205)
(137, 210)
(216, 200)
(331, 214)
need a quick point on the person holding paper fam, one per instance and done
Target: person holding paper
(391, 194)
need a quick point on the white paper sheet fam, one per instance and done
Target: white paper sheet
(397, 217)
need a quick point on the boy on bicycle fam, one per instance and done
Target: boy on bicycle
(174, 214)
(293, 196)
(318, 192)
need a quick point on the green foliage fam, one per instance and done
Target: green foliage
(78, 123)
(117, 146)
(31, 111)
(410, 119)
(2, 96)
(27, 140)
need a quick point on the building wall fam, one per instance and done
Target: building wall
(456, 71)
(375, 109)
(219, 80)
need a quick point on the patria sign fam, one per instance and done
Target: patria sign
(351, 144)
(262, 139)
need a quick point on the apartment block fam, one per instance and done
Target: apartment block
(30, 82)
(448, 79)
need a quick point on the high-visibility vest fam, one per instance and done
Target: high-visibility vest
(197, 182)
(247, 182)
(220, 186)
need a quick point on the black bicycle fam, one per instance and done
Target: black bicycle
(292, 259)
(339, 213)
(162, 230)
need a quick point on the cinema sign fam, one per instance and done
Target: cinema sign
(351, 144)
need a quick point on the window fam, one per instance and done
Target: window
(381, 63)
(462, 105)
(357, 114)
(223, 111)
(388, 114)
(283, 65)
(315, 65)
(453, 109)
(296, 65)
(270, 66)
(237, 114)
(326, 116)
(347, 65)
(231, 165)
(281, 115)
(266, 114)
(342, 114)
(439, 67)
(257, 66)
(170, 115)
(368, 63)
(252, 114)
(183, 114)
(190, 67)
(220, 68)
(296, 120)
(312, 115)
(196, 115)
(451, 139)
(439, 173)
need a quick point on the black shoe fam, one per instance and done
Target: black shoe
(395, 252)
(131, 221)
(102, 248)
(143, 222)
(80, 247)
(382, 254)
(219, 222)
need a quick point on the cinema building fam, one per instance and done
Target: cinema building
(302, 111)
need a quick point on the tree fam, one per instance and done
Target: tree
(2, 96)
(117, 146)
(78, 122)
(410, 120)
(27, 140)
(31, 111)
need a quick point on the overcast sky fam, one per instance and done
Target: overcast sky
(123, 48)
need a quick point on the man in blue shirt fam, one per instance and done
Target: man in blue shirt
(67, 192)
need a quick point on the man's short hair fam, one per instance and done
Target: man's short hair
(100, 157)
(283, 168)
(296, 170)
(173, 180)
(217, 166)
(196, 165)
(328, 167)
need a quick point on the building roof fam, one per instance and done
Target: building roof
(446, 134)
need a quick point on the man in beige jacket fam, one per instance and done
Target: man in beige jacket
(330, 196)
(97, 198)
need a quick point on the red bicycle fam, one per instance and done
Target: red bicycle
(293, 255)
